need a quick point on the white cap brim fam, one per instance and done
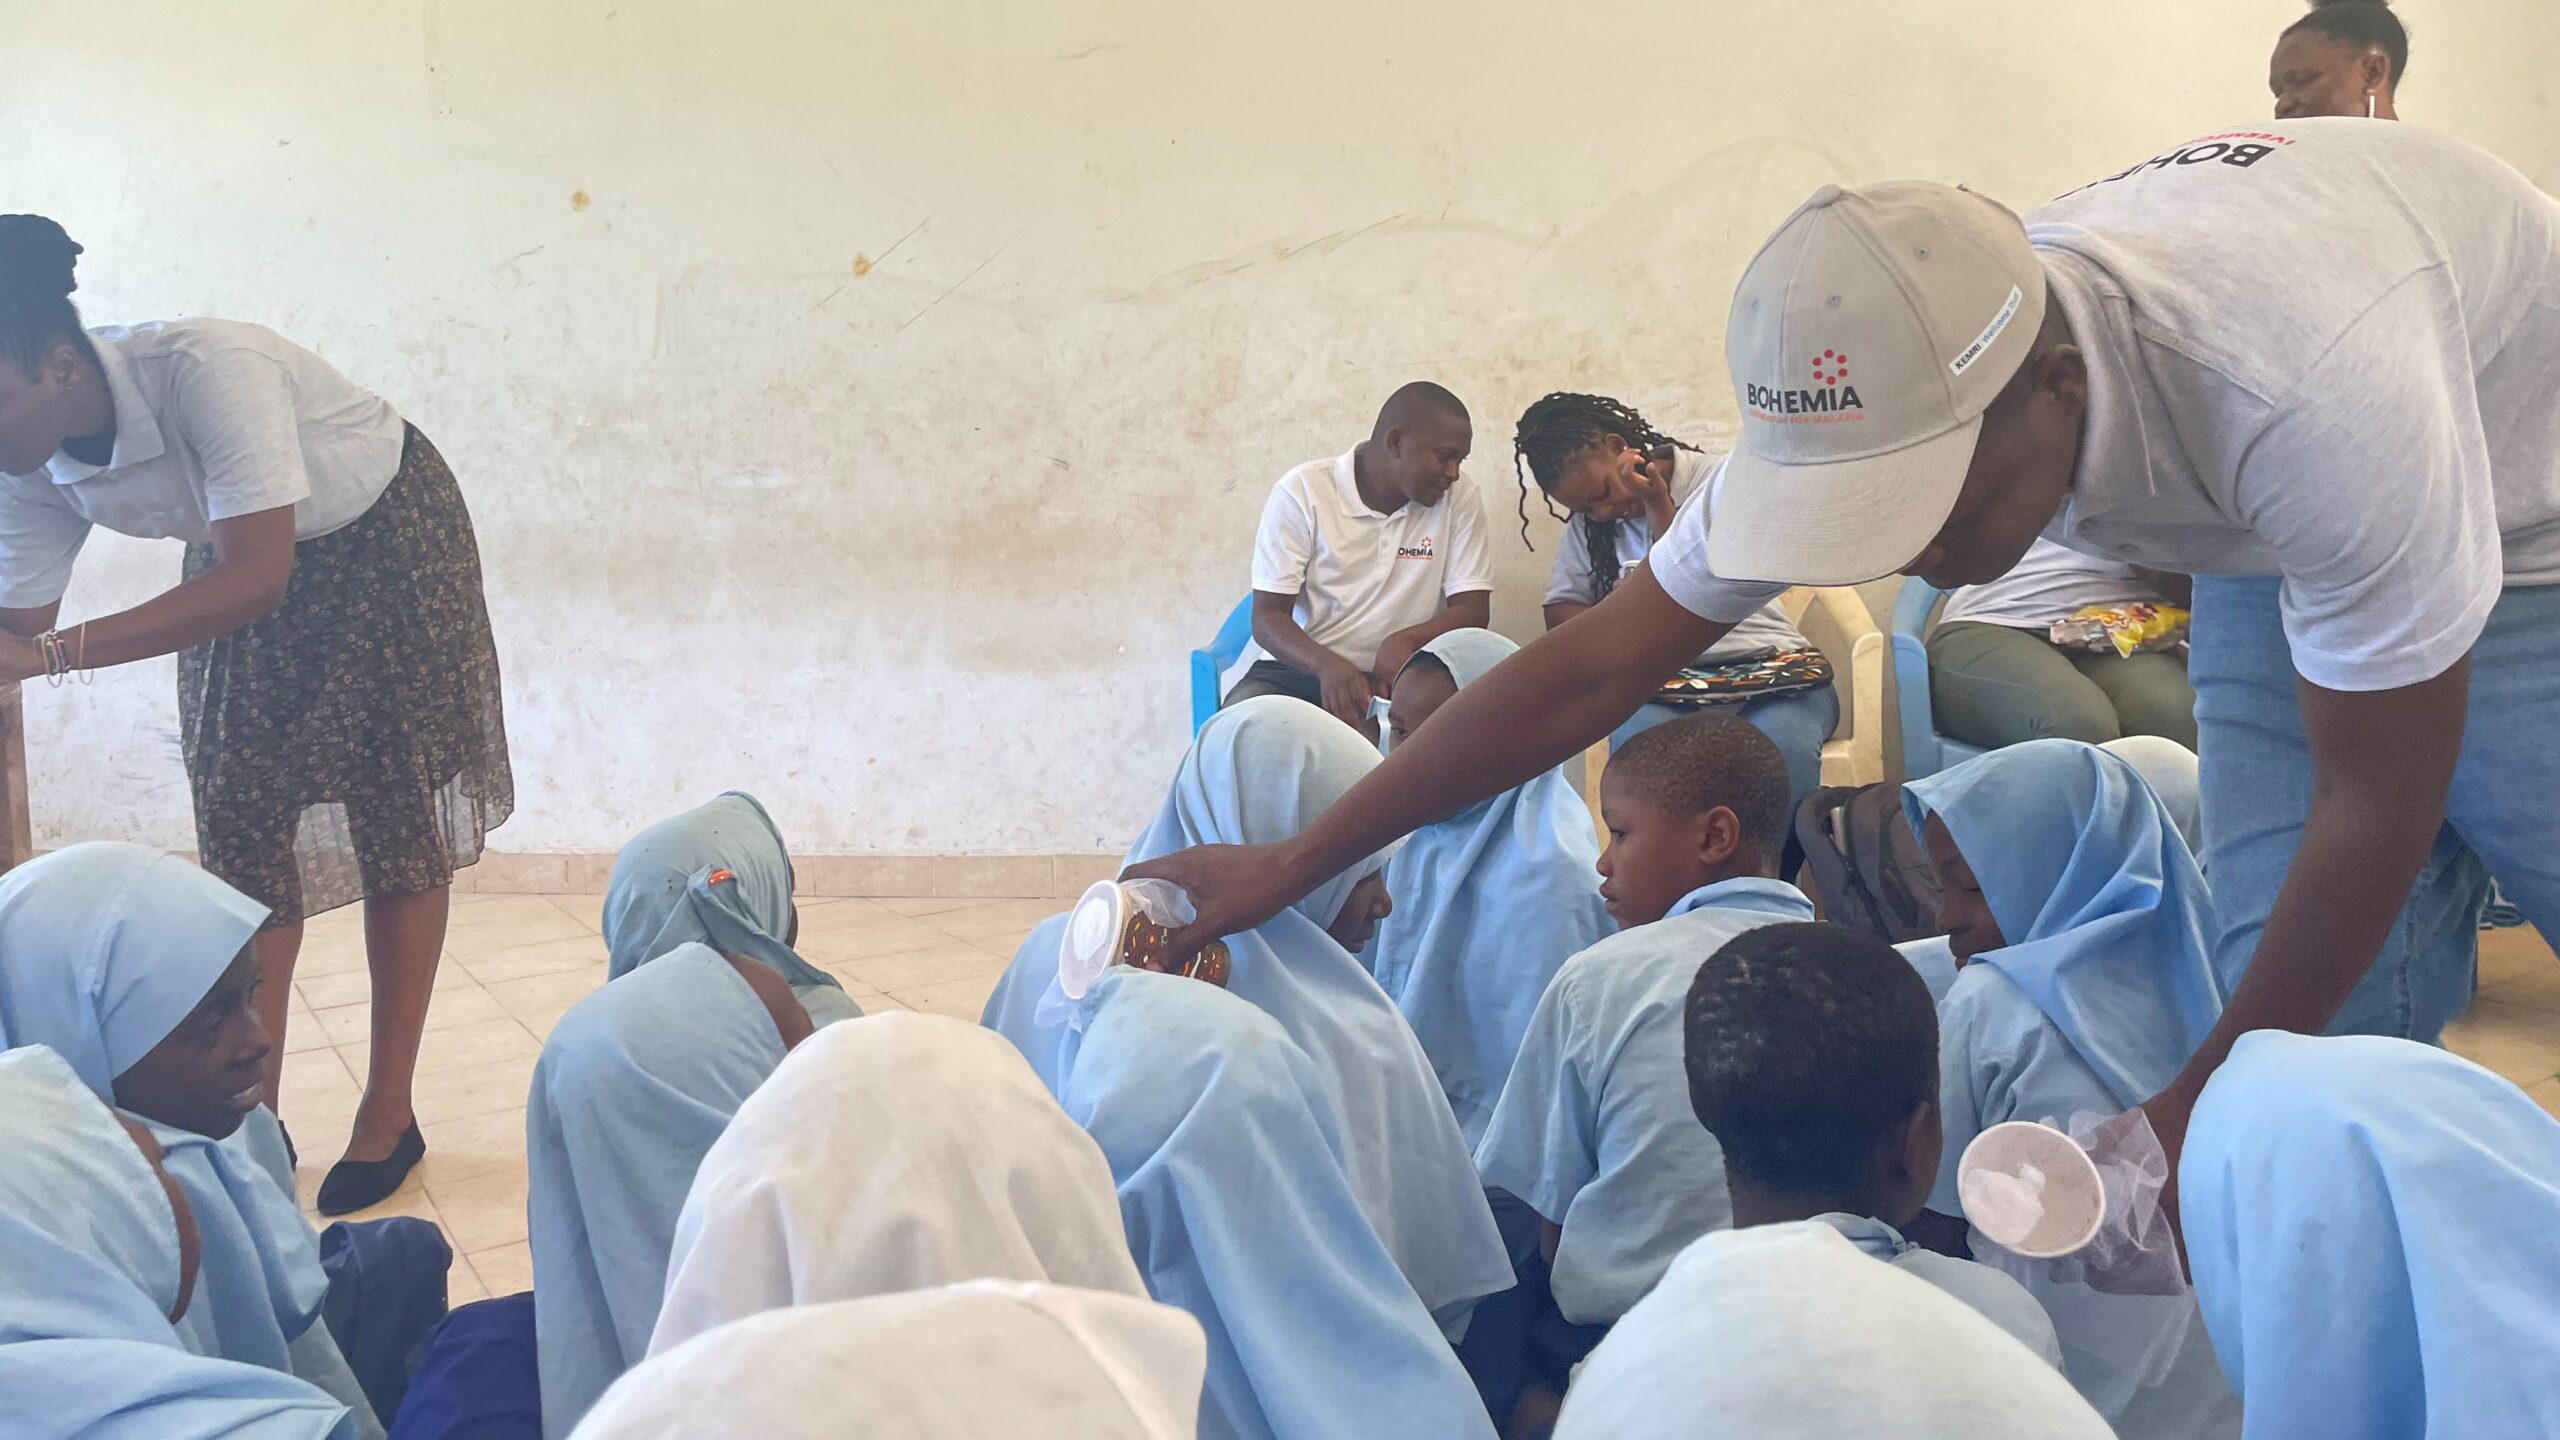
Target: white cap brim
(1844, 522)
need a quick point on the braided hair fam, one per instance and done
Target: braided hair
(2361, 23)
(1551, 432)
(36, 260)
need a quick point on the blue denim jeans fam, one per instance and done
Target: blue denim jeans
(1798, 722)
(2502, 816)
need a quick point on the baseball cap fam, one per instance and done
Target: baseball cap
(1867, 338)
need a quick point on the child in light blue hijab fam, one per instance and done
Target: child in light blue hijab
(1229, 1165)
(1812, 1053)
(2369, 1222)
(2085, 935)
(99, 1262)
(135, 968)
(634, 1084)
(1257, 773)
(1489, 903)
(716, 875)
(1594, 1130)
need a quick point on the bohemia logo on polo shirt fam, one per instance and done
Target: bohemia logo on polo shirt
(1832, 400)
(1419, 550)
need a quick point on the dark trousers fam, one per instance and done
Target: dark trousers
(1270, 677)
(1518, 1338)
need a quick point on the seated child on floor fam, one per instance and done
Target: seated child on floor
(2084, 930)
(1594, 1131)
(1225, 1152)
(705, 996)
(1256, 774)
(100, 1264)
(137, 969)
(1488, 903)
(1813, 1059)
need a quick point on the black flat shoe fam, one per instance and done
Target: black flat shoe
(355, 1184)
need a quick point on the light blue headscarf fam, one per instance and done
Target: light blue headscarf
(634, 1084)
(2369, 1222)
(88, 1243)
(1229, 1167)
(1258, 773)
(132, 1390)
(1488, 905)
(716, 875)
(2109, 924)
(1296, 767)
(105, 947)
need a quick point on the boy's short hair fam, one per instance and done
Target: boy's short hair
(1691, 765)
(1806, 1044)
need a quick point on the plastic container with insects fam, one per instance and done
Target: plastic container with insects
(1129, 923)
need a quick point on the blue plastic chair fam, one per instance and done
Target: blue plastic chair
(1207, 665)
(1924, 750)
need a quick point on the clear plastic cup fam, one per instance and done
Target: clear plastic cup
(2031, 1189)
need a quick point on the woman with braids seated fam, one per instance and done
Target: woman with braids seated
(1620, 481)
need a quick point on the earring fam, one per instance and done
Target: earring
(2368, 104)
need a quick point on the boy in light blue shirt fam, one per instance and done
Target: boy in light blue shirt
(1812, 1054)
(1593, 1131)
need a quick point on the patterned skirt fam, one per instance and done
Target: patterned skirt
(353, 742)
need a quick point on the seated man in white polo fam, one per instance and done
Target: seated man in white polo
(1364, 558)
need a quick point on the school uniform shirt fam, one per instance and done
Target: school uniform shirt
(214, 419)
(1575, 579)
(1594, 1129)
(2322, 349)
(1786, 1332)
(2048, 583)
(1996, 1297)
(1361, 576)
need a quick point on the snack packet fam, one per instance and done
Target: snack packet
(2125, 629)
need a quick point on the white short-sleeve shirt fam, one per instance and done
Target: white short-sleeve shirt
(214, 419)
(1576, 579)
(1361, 576)
(2048, 583)
(2322, 349)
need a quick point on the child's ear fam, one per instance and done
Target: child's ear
(1924, 1143)
(1719, 835)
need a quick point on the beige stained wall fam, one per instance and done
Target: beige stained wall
(869, 405)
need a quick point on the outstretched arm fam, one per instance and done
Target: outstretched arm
(1529, 714)
(2381, 762)
(253, 562)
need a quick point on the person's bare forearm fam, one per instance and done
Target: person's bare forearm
(1559, 611)
(2381, 764)
(1528, 714)
(210, 606)
(2340, 896)
(1472, 610)
(1276, 630)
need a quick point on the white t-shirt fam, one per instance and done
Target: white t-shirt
(214, 419)
(2049, 582)
(1361, 576)
(1575, 579)
(2327, 349)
